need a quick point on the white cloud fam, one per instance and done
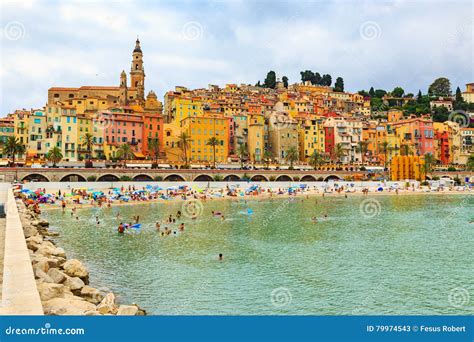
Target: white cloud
(72, 43)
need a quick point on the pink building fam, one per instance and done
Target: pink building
(124, 127)
(417, 133)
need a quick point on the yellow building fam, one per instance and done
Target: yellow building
(256, 137)
(201, 129)
(407, 167)
(311, 137)
(69, 141)
(185, 107)
(37, 132)
(171, 144)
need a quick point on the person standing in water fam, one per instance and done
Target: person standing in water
(221, 257)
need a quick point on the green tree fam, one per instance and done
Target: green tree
(459, 98)
(440, 87)
(291, 156)
(88, 143)
(419, 97)
(154, 150)
(316, 159)
(362, 148)
(385, 147)
(54, 155)
(363, 93)
(125, 153)
(267, 157)
(12, 148)
(372, 92)
(380, 93)
(270, 80)
(339, 85)
(326, 80)
(284, 79)
(429, 161)
(338, 152)
(242, 152)
(213, 142)
(398, 92)
(470, 163)
(184, 140)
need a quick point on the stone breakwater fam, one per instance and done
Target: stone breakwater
(63, 284)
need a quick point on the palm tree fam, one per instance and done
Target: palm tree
(338, 152)
(154, 149)
(242, 153)
(470, 163)
(429, 161)
(405, 149)
(267, 157)
(13, 147)
(291, 156)
(54, 155)
(362, 148)
(88, 142)
(125, 152)
(184, 139)
(385, 147)
(213, 142)
(316, 159)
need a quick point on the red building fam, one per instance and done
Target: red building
(152, 130)
(443, 150)
(329, 139)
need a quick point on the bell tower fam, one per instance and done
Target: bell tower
(137, 71)
(123, 88)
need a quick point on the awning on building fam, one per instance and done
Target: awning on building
(139, 155)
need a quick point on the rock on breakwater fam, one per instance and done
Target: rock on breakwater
(63, 284)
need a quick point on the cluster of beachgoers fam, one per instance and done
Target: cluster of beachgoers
(106, 197)
(63, 284)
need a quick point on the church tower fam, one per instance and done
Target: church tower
(137, 71)
(123, 88)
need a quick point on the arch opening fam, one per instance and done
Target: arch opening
(173, 178)
(35, 178)
(142, 178)
(73, 178)
(108, 178)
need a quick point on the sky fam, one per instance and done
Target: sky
(383, 44)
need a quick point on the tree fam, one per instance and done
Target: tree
(88, 142)
(372, 92)
(326, 80)
(338, 152)
(470, 163)
(213, 142)
(440, 87)
(380, 93)
(362, 148)
(362, 92)
(440, 114)
(270, 80)
(258, 84)
(284, 79)
(54, 155)
(242, 153)
(429, 161)
(291, 156)
(184, 140)
(419, 97)
(316, 159)
(154, 149)
(405, 149)
(267, 157)
(307, 75)
(398, 92)
(125, 152)
(385, 147)
(339, 85)
(459, 97)
(13, 147)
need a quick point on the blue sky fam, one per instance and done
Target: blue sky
(195, 43)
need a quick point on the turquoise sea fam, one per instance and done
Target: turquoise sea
(388, 255)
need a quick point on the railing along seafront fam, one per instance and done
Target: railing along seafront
(19, 292)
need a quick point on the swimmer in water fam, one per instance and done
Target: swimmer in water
(222, 218)
(314, 219)
(157, 225)
(221, 257)
(181, 227)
